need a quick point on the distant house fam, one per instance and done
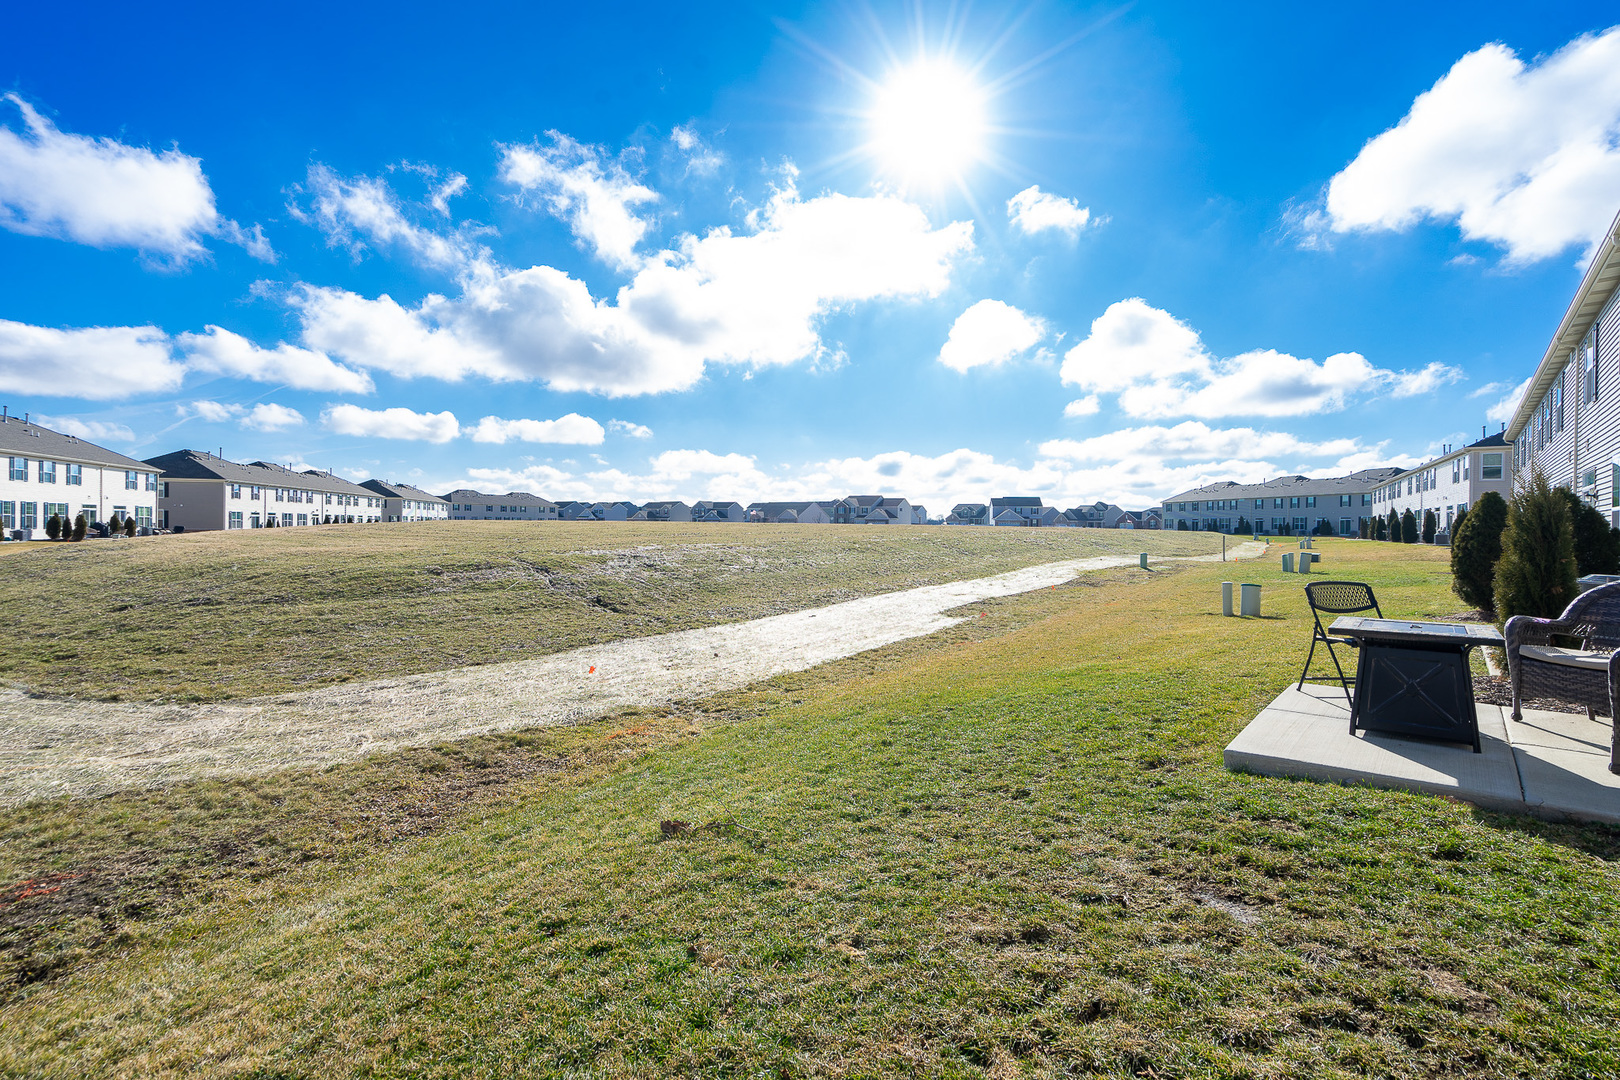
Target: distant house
(201, 492)
(1454, 481)
(574, 511)
(871, 510)
(469, 505)
(1286, 506)
(789, 513)
(968, 514)
(919, 514)
(719, 511)
(1023, 510)
(666, 511)
(52, 474)
(403, 502)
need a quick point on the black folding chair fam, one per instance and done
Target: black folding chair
(1336, 598)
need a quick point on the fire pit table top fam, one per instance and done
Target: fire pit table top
(1416, 632)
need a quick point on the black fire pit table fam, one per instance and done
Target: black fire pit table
(1412, 678)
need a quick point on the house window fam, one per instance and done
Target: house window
(1614, 485)
(236, 492)
(1276, 504)
(1344, 500)
(1366, 498)
(151, 481)
(1558, 405)
(254, 492)
(89, 512)
(75, 475)
(1344, 526)
(1490, 467)
(286, 520)
(1310, 500)
(8, 514)
(1465, 462)
(47, 472)
(29, 515)
(131, 480)
(303, 519)
(1301, 526)
(19, 469)
(1293, 502)
(1589, 367)
(235, 520)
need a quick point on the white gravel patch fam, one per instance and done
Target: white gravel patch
(50, 747)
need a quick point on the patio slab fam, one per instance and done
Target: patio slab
(1554, 765)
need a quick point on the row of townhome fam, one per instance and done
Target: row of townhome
(404, 502)
(850, 510)
(1449, 484)
(201, 491)
(1567, 425)
(49, 474)
(1286, 506)
(468, 505)
(1029, 511)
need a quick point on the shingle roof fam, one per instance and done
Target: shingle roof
(461, 495)
(26, 439)
(201, 465)
(393, 490)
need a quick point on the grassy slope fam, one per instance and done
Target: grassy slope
(219, 615)
(988, 853)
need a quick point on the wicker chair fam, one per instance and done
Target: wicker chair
(1588, 676)
(1336, 598)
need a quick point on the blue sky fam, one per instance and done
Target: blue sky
(797, 251)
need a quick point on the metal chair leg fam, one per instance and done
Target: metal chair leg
(1307, 668)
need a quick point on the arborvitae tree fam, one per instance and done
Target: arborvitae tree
(1393, 522)
(1181, 526)
(1536, 573)
(1476, 544)
(129, 526)
(53, 527)
(1456, 522)
(1361, 528)
(1597, 543)
(80, 526)
(1430, 525)
(114, 525)
(1409, 528)
(1242, 525)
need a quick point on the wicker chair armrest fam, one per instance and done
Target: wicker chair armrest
(1524, 630)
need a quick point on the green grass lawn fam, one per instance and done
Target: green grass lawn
(210, 616)
(1009, 849)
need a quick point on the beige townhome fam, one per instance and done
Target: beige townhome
(49, 473)
(403, 502)
(201, 491)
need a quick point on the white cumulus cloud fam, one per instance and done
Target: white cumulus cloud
(92, 430)
(104, 193)
(754, 299)
(1032, 211)
(1508, 404)
(629, 430)
(701, 159)
(572, 428)
(222, 352)
(1159, 367)
(99, 363)
(395, 423)
(269, 416)
(1525, 156)
(595, 195)
(989, 333)
(360, 212)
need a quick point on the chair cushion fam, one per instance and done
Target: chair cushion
(1578, 658)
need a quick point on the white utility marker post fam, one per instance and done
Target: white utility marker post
(1226, 598)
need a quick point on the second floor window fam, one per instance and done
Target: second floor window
(19, 469)
(131, 480)
(47, 472)
(75, 475)
(1490, 467)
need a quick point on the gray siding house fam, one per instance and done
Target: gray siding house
(1567, 425)
(1451, 483)
(201, 492)
(51, 474)
(1288, 505)
(468, 505)
(403, 502)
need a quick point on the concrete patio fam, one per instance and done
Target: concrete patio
(1554, 765)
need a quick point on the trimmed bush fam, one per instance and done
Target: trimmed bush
(1242, 525)
(1476, 544)
(53, 527)
(1409, 528)
(80, 527)
(1430, 526)
(1181, 526)
(129, 526)
(1536, 573)
(115, 524)
(1393, 524)
(1597, 543)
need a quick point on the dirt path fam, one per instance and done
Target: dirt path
(50, 748)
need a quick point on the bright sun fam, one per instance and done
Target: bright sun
(928, 122)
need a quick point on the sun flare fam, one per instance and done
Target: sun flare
(928, 122)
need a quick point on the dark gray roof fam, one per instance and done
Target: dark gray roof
(1363, 480)
(24, 439)
(394, 490)
(1015, 500)
(201, 465)
(511, 498)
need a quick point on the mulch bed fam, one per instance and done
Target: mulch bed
(1496, 690)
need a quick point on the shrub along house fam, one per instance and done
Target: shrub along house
(1567, 424)
(50, 473)
(201, 492)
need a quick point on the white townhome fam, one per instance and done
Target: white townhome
(201, 492)
(1288, 505)
(49, 473)
(403, 502)
(469, 505)
(1449, 484)
(1567, 425)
